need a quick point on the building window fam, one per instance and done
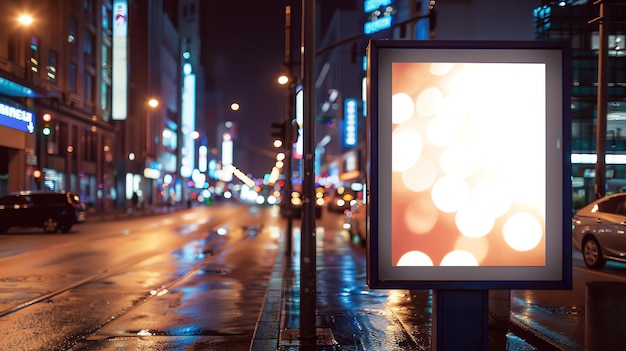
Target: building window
(52, 66)
(33, 51)
(88, 145)
(106, 18)
(88, 6)
(15, 43)
(106, 62)
(88, 48)
(89, 88)
(72, 78)
(105, 97)
(72, 35)
(616, 43)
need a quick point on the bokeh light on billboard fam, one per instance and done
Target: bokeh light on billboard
(467, 164)
(450, 131)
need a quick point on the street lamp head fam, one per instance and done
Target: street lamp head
(25, 19)
(282, 80)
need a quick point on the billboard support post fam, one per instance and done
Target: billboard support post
(464, 314)
(452, 206)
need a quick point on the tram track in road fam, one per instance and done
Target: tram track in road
(32, 265)
(212, 250)
(210, 246)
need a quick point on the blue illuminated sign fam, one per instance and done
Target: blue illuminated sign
(350, 119)
(377, 25)
(371, 5)
(380, 14)
(17, 118)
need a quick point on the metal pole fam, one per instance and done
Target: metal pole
(288, 143)
(600, 186)
(307, 255)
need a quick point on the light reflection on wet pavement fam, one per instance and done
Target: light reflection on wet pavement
(360, 318)
(214, 308)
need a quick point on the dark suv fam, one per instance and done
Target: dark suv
(52, 211)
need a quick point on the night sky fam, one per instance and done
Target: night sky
(244, 46)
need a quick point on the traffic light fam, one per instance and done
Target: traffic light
(46, 130)
(294, 131)
(279, 133)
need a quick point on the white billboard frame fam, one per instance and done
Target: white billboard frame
(455, 252)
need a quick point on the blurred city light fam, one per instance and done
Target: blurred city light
(25, 19)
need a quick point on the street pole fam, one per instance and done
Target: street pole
(600, 186)
(308, 241)
(288, 142)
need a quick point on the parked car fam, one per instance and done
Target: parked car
(81, 206)
(355, 221)
(52, 211)
(599, 230)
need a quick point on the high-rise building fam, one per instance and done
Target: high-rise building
(55, 97)
(341, 86)
(570, 21)
(96, 97)
(148, 157)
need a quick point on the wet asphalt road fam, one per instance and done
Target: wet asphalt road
(194, 279)
(208, 292)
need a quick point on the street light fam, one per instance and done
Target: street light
(25, 20)
(282, 80)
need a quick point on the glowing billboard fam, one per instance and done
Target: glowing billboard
(469, 165)
(120, 60)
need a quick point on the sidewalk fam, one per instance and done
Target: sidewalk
(350, 316)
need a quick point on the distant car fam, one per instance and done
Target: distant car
(599, 230)
(52, 211)
(355, 221)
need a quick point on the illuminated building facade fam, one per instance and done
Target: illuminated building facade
(58, 66)
(569, 21)
(341, 94)
(92, 99)
(147, 157)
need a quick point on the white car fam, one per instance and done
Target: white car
(599, 231)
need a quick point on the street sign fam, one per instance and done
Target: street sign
(17, 118)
